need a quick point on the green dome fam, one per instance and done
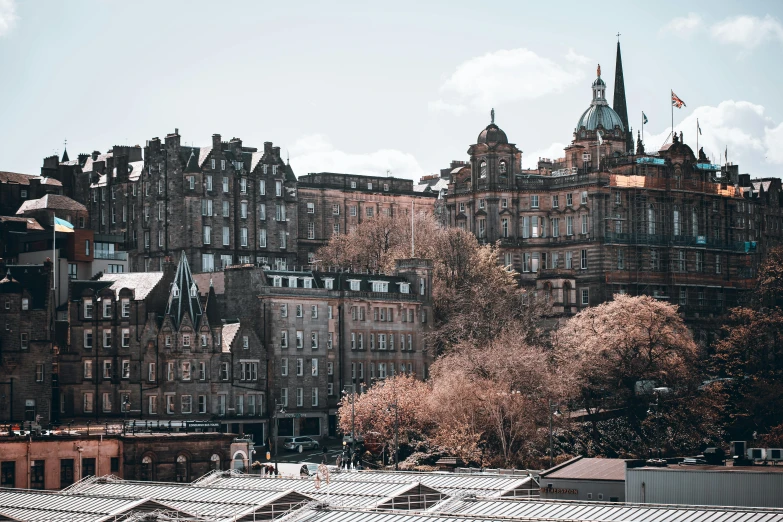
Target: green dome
(599, 113)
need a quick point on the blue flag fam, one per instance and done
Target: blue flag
(644, 118)
(62, 222)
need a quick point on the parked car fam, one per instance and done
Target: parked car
(694, 461)
(299, 444)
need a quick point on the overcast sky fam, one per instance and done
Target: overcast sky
(367, 87)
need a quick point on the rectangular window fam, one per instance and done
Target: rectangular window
(107, 402)
(226, 237)
(283, 339)
(314, 367)
(221, 405)
(717, 264)
(585, 296)
(202, 404)
(152, 404)
(555, 201)
(243, 185)
(151, 373)
(585, 219)
(329, 340)
(278, 188)
(534, 201)
(125, 337)
(314, 340)
(336, 210)
(88, 339)
(569, 260)
(300, 397)
(569, 225)
(283, 239)
(699, 261)
(126, 369)
(569, 200)
(87, 402)
(39, 373)
(224, 371)
(584, 259)
(311, 230)
(584, 197)
(107, 338)
(88, 369)
(243, 236)
(284, 396)
(555, 227)
(354, 211)
(299, 339)
(681, 266)
(170, 371)
(683, 296)
(185, 371)
(284, 366)
(621, 259)
(170, 404)
(186, 404)
(262, 187)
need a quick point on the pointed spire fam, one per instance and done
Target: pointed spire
(183, 295)
(618, 103)
(65, 152)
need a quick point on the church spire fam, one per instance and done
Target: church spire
(183, 295)
(65, 152)
(618, 103)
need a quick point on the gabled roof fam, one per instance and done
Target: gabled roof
(142, 283)
(192, 165)
(88, 165)
(203, 155)
(52, 202)
(183, 295)
(136, 169)
(227, 337)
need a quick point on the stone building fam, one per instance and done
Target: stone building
(327, 332)
(330, 204)
(27, 348)
(601, 220)
(17, 188)
(146, 347)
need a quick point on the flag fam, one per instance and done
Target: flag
(644, 118)
(62, 222)
(600, 139)
(677, 102)
(698, 126)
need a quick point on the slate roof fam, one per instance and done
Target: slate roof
(141, 282)
(51, 201)
(217, 279)
(16, 178)
(136, 169)
(203, 155)
(78, 287)
(341, 279)
(32, 224)
(88, 165)
(588, 469)
(51, 181)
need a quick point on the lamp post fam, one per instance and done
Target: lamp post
(554, 411)
(279, 410)
(396, 435)
(125, 408)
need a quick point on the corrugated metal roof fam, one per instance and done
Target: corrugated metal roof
(449, 483)
(41, 505)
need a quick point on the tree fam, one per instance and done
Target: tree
(401, 399)
(750, 356)
(623, 344)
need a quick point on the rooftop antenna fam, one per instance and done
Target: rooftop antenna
(618, 37)
(287, 157)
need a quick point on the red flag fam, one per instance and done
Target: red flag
(677, 102)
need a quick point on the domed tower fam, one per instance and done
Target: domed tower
(494, 160)
(599, 118)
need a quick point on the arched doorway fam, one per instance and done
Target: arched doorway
(182, 469)
(214, 462)
(147, 471)
(238, 462)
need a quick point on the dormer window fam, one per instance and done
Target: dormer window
(354, 284)
(308, 282)
(193, 290)
(292, 281)
(329, 283)
(175, 290)
(405, 288)
(277, 281)
(380, 286)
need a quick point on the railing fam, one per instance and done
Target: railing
(116, 256)
(675, 241)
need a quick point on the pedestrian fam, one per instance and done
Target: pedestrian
(339, 461)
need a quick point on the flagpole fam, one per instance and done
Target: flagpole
(697, 136)
(672, 96)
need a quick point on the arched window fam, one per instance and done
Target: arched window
(147, 468)
(182, 469)
(239, 461)
(175, 290)
(214, 461)
(193, 290)
(483, 169)
(651, 220)
(502, 168)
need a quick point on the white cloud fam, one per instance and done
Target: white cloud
(553, 152)
(754, 140)
(7, 16)
(442, 106)
(504, 76)
(314, 153)
(683, 25)
(573, 57)
(748, 31)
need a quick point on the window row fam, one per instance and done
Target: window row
(299, 369)
(385, 369)
(385, 341)
(106, 307)
(299, 340)
(534, 202)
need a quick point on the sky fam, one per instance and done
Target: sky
(377, 87)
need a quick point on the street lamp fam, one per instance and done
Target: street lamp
(279, 410)
(125, 408)
(554, 411)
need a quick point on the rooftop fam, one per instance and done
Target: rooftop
(588, 469)
(141, 282)
(53, 202)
